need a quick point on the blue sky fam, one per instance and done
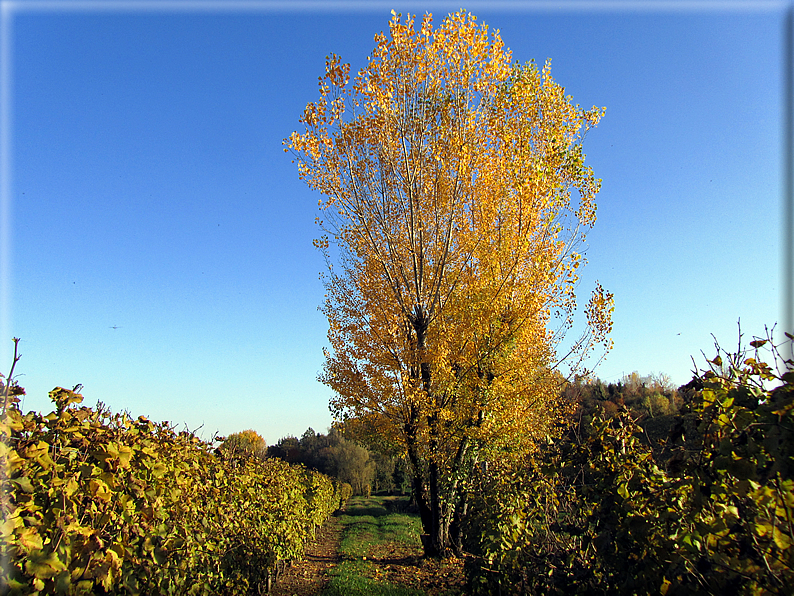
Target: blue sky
(146, 189)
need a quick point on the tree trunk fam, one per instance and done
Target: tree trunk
(434, 514)
(418, 489)
(417, 474)
(439, 524)
(456, 527)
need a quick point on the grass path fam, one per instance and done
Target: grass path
(374, 542)
(381, 554)
(371, 548)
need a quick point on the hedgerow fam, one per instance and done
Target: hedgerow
(601, 513)
(100, 503)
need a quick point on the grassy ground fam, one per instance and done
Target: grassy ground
(374, 541)
(372, 548)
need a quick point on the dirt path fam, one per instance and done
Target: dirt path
(310, 576)
(397, 563)
(394, 562)
(404, 566)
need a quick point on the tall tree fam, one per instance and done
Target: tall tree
(455, 196)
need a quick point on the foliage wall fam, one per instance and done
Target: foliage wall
(98, 503)
(332, 454)
(606, 511)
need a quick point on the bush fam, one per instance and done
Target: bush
(597, 514)
(98, 503)
(345, 492)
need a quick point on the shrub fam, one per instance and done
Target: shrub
(345, 492)
(597, 513)
(101, 503)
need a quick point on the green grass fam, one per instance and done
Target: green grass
(367, 524)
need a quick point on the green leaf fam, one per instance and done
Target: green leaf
(24, 484)
(742, 469)
(158, 470)
(125, 454)
(63, 582)
(42, 565)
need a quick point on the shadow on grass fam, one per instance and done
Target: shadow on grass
(360, 506)
(350, 579)
(372, 526)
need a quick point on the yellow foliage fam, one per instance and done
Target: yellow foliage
(454, 195)
(247, 442)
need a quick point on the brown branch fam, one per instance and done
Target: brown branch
(10, 377)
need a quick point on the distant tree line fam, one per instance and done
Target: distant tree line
(648, 396)
(651, 400)
(332, 454)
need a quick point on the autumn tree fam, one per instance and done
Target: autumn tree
(352, 464)
(455, 197)
(247, 443)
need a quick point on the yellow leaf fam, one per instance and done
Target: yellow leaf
(29, 539)
(782, 540)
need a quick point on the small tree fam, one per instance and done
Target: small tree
(352, 464)
(247, 443)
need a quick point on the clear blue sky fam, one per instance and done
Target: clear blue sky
(147, 190)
